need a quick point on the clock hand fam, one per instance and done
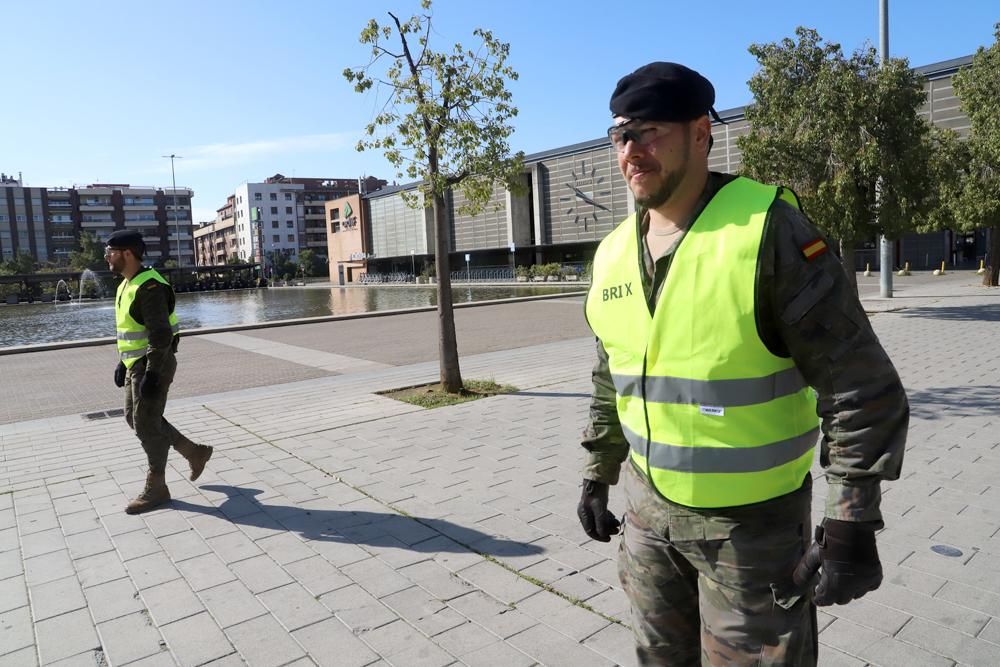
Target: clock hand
(579, 193)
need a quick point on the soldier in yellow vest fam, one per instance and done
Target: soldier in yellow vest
(147, 332)
(729, 342)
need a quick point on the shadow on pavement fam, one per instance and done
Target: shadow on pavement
(953, 402)
(382, 529)
(553, 394)
(986, 313)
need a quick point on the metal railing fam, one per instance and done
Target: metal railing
(488, 274)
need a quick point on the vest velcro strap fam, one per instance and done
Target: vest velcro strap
(133, 335)
(133, 354)
(721, 393)
(679, 458)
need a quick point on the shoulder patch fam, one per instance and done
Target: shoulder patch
(814, 249)
(152, 284)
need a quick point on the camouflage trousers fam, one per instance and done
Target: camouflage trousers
(145, 415)
(713, 587)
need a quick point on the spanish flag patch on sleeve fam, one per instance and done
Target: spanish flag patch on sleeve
(814, 249)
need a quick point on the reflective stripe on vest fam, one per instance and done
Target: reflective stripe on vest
(132, 337)
(711, 416)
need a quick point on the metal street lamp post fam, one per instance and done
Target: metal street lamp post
(885, 246)
(177, 227)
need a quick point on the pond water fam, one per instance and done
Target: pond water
(28, 324)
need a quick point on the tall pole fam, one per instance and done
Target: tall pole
(177, 227)
(885, 247)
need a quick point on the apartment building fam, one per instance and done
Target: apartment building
(216, 242)
(46, 222)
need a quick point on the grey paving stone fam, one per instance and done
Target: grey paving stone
(49, 567)
(112, 600)
(262, 641)
(160, 659)
(171, 602)
(206, 571)
(99, 568)
(377, 577)
(231, 603)
(25, 657)
(500, 619)
(357, 608)
(88, 542)
(13, 593)
(498, 582)
(260, 573)
(10, 564)
(233, 547)
(830, 657)
(136, 544)
(946, 642)
(161, 524)
(400, 643)
(551, 648)
(67, 635)
(331, 643)
(129, 638)
(871, 614)
(151, 570)
(184, 544)
(16, 630)
(890, 651)
(953, 616)
(42, 542)
(563, 616)
(196, 640)
(284, 548)
(293, 606)
(423, 611)
(56, 597)
(437, 580)
(616, 643)
(849, 637)
(498, 655)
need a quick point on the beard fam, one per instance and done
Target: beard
(671, 182)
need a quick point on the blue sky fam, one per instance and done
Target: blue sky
(97, 92)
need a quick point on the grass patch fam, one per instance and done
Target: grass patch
(433, 396)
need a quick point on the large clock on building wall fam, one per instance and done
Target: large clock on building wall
(582, 189)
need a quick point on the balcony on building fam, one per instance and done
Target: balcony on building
(139, 199)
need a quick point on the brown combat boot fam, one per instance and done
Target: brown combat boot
(197, 455)
(155, 494)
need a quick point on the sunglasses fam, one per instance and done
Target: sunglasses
(641, 133)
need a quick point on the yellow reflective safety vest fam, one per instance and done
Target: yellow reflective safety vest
(710, 414)
(133, 339)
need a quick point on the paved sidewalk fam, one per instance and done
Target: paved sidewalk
(337, 527)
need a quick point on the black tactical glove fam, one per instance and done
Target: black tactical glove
(846, 559)
(150, 384)
(120, 372)
(598, 522)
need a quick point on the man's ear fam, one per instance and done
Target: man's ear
(702, 133)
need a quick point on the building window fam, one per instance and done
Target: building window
(256, 196)
(276, 238)
(274, 196)
(36, 218)
(288, 210)
(274, 224)
(334, 227)
(290, 224)
(334, 213)
(291, 238)
(288, 196)
(274, 210)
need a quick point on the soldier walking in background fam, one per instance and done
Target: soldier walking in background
(721, 317)
(147, 333)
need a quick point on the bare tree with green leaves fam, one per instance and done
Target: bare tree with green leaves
(446, 121)
(978, 203)
(842, 132)
(90, 254)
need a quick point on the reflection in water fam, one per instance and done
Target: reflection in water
(45, 323)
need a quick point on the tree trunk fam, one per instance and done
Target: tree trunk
(451, 374)
(992, 275)
(847, 259)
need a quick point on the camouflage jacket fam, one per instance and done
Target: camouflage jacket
(808, 311)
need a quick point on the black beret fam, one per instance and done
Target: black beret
(663, 92)
(126, 238)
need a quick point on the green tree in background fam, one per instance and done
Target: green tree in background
(843, 133)
(310, 264)
(446, 121)
(90, 254)
(21, 264)
(978, 203)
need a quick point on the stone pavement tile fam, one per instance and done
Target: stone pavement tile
(339, 554)
(129, 638)
(968, 596)
(37, 521)
(120, 523)
(196, 640)
(32, 500)
(357, 608)
(548, 571)
(99, 568)
(16, 630)
(151, 570)
(161, 524)
(612, 602)
(317, 575)
(332, 643)
(51, 566)
(945, 642)
(563, 616)
(436, 579)
(285, 548)
(498, 655)
(829, 657)
(136, 544)
(71, 503)
(465, 638)
(206, 571)
(67, 635)
(502, 584)
(42, 542)
(233, 547)
(940, 611)
(212, 525)
(260, 573)
(915, 580)
(294, 606)
(871, 614)
(171, 602)
(63, 489)
(110, 505)
(231, 603)
(161, 659)
(564, 551)
(849, 637)
(11, 564)
(183, 545)
(112, 600)
(500, 619)
(423, 611)
(262, 641)
(231, 660)
(890, 651)
(13, 593)
(551, 648)
(7, 518)
(56, 597)
(26, 657)
(260, 525)
(401, 644)
(616, 643)
(89, 542)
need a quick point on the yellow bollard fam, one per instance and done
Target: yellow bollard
(982, 267)
(939, 272)
(868, 269)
